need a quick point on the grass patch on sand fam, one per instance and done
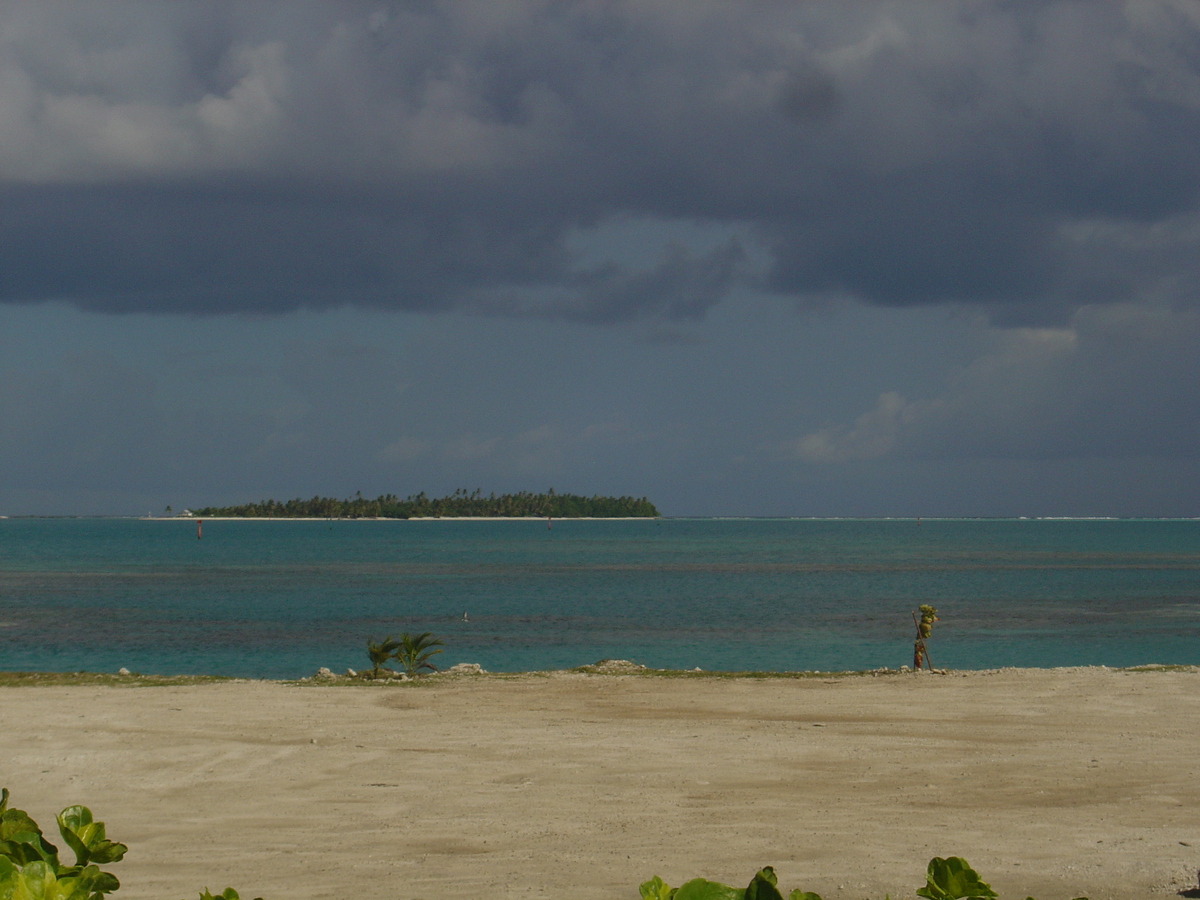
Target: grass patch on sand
(629, 670)
(51, 679)
(1161, 668)
(625, 667)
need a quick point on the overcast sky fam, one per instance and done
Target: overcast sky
(745, 258)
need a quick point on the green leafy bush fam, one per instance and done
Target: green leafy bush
(764, 886)
(29, 864)
(945, 879)
(31, 870)
(951, 879)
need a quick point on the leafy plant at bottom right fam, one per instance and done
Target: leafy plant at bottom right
(951, 878)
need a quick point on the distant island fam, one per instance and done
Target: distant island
(459, 504)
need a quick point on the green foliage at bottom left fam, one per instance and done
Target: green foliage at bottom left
(31, 870)
(29, 864)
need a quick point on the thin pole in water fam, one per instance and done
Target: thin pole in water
(198, 522)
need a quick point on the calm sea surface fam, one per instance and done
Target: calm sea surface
(278, 599)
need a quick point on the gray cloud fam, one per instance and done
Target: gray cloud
(1115, 383)
(219, 157)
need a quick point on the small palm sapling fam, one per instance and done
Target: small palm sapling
(380, 652)
(415, 651)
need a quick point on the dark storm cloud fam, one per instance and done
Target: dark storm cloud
(1033, 157)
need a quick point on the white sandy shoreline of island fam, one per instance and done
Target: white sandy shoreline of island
(1054, 783)
(389, 519)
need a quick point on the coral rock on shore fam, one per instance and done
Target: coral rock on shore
(466, 669)
(616, 667)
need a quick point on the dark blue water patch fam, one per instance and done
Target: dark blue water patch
(277, 599)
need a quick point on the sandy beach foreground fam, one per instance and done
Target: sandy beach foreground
(1053, 783)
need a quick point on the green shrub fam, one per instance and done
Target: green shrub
(945, 879)
(762, 887)
(31, 870)
(952, 879)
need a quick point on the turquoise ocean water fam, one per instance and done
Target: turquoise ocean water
(278, 599)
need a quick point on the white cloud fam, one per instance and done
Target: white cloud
(874, 434)
(403, 450)
(1104, 387)
(470, 447)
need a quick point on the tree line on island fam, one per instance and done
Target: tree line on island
(460, 503)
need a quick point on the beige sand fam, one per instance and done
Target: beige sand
(1055, 783)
